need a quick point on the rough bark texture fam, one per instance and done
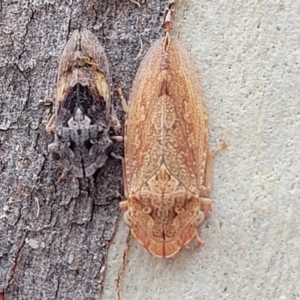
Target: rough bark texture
(54, 236)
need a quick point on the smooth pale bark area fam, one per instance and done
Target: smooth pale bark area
(248, 57)
(54, 235)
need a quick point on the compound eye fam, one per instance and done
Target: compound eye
(128, 220)
(55, 155)
(198, 219)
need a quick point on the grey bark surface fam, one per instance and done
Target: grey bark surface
(54, 235)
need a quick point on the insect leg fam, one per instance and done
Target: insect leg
(49, 126)
(207, 203)
(126, 194)
(123, 101)
(205, 189)
(115, 123)
(117, 139)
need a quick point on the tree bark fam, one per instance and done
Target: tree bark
(54, 236)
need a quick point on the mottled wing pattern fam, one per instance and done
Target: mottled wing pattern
(183, 147)
(83, 106)
(100, 65)
(143, 155)
(186, 146)
(66, 64)
(84, 61)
